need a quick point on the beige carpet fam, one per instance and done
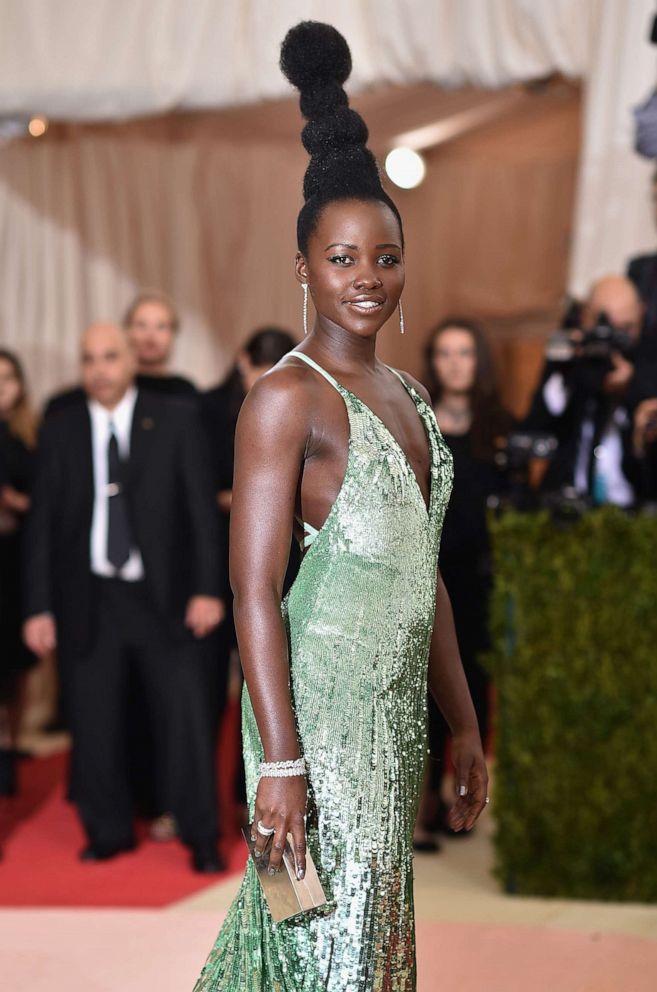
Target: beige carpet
(470, 936)
(457, 886)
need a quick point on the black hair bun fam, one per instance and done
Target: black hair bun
(343, 127)
(317, 61)
(314, 55)
(342, 173)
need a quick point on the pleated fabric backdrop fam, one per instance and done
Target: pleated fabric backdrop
(203, 204)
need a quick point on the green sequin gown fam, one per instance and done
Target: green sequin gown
(359, 618)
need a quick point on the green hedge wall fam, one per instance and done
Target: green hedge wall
(575, 665)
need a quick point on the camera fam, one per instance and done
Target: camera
(593, 345)
(516, 453)
(521, 447)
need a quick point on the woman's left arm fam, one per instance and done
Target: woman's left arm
(450, 690)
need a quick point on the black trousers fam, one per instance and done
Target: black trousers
(176, 680)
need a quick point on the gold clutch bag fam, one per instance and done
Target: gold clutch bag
(286, 894)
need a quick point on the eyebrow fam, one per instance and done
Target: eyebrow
(343, 244)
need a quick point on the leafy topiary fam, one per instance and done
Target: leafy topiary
(574, 621)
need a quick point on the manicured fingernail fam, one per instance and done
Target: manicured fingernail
(271, 871)
(253, 838)
(257, 854)
(462, 790)
(300, 873)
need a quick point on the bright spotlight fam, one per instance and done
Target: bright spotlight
(37, 126)
(405, 167)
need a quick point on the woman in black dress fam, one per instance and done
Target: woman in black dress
(18, 427)
(462, 384)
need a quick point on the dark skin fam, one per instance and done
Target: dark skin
(291, 454)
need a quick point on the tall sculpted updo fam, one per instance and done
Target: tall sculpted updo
(317, 61)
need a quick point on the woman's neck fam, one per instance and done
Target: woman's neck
(454, 412)
(342, 349)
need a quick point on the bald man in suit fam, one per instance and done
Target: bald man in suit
(121, 575)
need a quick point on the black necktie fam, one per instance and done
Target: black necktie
(118, 528)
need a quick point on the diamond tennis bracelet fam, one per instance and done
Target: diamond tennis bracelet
(282, 769)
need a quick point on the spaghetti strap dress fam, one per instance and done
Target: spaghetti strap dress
(359, 620)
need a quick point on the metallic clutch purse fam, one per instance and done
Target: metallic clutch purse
(286, 894)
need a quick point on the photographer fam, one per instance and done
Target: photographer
(586, 398)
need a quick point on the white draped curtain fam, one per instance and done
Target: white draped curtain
(69, 250)
(119, 58)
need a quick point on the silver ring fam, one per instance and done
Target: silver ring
(265, 831)
(487, 799)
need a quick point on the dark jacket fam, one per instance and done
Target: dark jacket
(173, 516)
(642, 270)
(166, 385)
(585, 401)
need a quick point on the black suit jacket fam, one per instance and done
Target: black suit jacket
(171, 503)
(585, 400)
(642, 270)
(166, 385)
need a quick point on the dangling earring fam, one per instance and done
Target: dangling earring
(304, 286)
(401, 319)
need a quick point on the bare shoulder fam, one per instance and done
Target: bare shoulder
(416, 384)
(279, 404)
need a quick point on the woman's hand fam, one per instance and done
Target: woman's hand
(471, 780)
(281, 803)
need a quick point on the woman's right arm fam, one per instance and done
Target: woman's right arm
(270, 444)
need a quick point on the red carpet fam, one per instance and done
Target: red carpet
(40, 837)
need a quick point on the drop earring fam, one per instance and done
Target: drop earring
(401, 319)
(304, 286)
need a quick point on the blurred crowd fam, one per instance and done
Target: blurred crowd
(114, 510)
(114, 507)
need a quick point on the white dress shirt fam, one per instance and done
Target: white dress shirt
(608, 452)
(102, 422)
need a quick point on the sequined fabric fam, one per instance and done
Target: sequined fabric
(359, 618)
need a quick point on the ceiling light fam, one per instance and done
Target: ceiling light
(405, 167)
(37, 126)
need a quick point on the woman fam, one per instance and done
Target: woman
(345, 450)
(474, 424)
(18, 428)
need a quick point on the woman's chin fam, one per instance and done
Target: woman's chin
(366, 327)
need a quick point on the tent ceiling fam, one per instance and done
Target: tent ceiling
(113, 59)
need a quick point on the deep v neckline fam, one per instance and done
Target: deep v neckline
(395, 443)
